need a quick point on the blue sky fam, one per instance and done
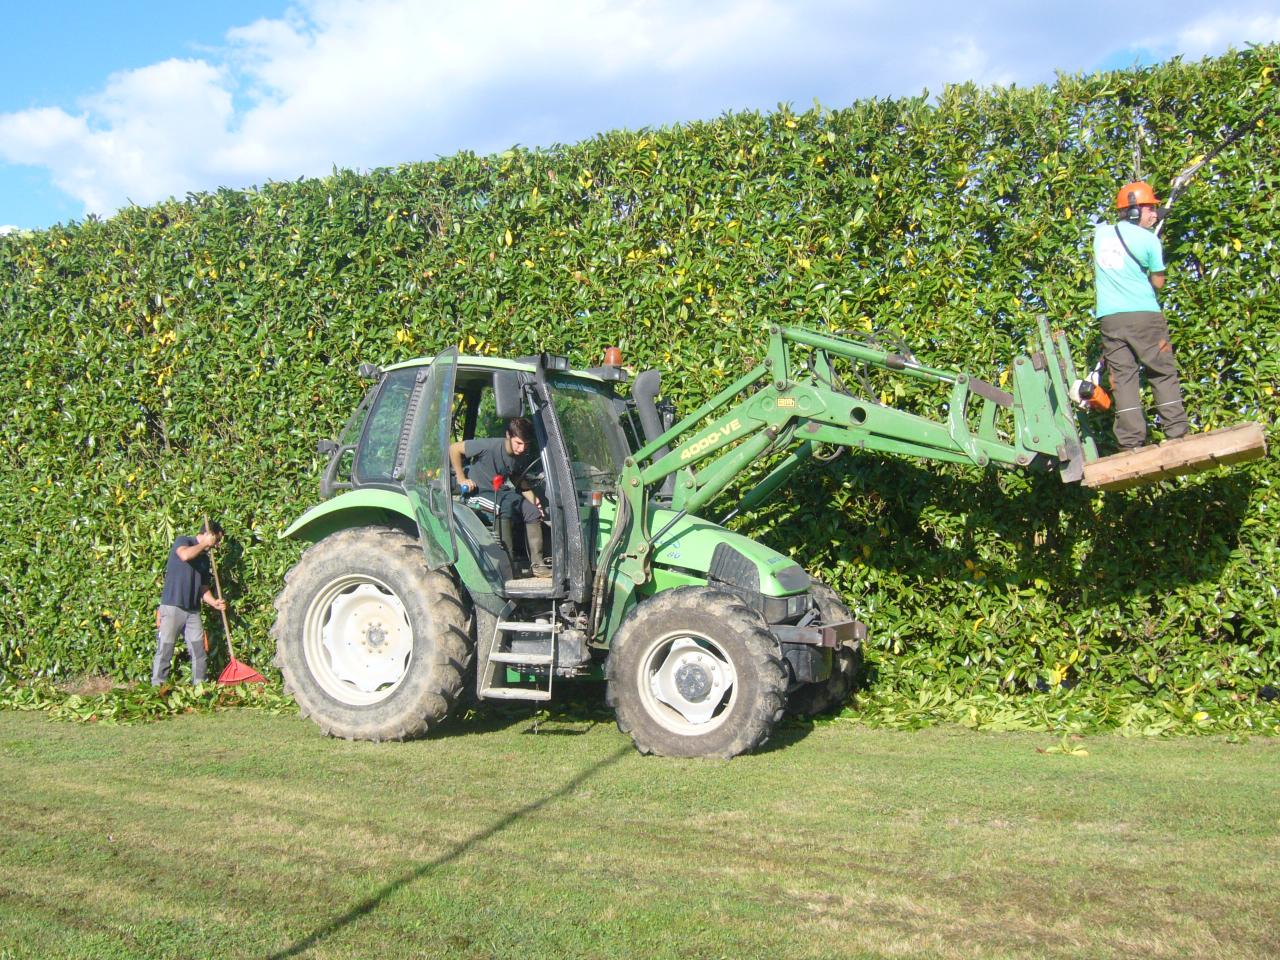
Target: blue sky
(134, 101)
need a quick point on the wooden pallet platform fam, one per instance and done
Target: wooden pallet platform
(1190, 454)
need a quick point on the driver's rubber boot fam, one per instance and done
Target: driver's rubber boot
(507, 535)
(533, 537)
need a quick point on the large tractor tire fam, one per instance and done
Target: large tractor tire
(695, 672)
(814, 699)
(372, 645)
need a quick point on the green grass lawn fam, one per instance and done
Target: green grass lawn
(239, 834)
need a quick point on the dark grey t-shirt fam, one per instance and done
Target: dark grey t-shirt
(487, 457)
(185, 581)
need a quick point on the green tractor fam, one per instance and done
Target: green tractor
(406, 596)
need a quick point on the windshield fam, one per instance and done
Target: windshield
(376, 458)
(592, 435)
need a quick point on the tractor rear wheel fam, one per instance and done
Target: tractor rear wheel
(695, 672)
(814, 699)
(372, 645)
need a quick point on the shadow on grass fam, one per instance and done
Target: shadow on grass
(536, 730)
(371, 903)
(787, 733)
(578, 702)
(583, 709)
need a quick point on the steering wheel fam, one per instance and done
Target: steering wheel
(534, 474)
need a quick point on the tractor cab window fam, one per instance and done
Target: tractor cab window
(487, 421)
(350, 435)
(475, 408)
(376, 457)
(595, 440)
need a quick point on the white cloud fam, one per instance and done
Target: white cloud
(962, 58)
(1215, 32)
(351, 81)
(364, 83)
(144, 136)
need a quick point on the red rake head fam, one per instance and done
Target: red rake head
(237, 672)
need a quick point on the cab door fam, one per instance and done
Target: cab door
(427, 475)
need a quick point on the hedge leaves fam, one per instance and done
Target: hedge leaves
(185, 357)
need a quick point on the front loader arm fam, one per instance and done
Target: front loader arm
(794, 400)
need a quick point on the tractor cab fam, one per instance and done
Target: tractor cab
(399, 436)
(398, 442)
(580, 448)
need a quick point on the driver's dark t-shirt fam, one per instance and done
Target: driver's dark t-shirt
(488, 458)
(185, 581)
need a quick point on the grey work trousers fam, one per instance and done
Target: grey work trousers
(173, 619)
(1132, 342)
(507, 503)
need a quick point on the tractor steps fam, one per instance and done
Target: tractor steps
(516, 693)
(534, 626)
(1193, 453)
(509, 647)
(532, 659)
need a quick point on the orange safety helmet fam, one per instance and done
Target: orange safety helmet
(1137, 193)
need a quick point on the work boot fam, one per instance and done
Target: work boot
(507, 537)
(533, 537)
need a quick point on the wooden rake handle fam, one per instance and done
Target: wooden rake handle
(217, 586)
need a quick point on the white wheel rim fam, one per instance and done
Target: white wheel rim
(357, 640)
(687, 683)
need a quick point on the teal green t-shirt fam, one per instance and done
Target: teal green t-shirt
(1122, 286)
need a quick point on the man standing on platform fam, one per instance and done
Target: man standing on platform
(1128, 270)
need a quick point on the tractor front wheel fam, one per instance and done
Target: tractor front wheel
(695, 672)
(372, 645)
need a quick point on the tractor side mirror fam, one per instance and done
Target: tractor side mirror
(506, 394)
(326, 447)
(644, 391)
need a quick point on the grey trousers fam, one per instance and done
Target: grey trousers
(1132, 342)
(173, 619)
(508, 503)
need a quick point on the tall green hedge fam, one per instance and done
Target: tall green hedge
(185, 357)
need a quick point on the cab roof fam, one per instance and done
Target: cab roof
(490, 363)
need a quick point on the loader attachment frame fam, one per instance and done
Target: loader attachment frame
(795, 400)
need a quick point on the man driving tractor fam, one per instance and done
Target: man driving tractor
(493, 468)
